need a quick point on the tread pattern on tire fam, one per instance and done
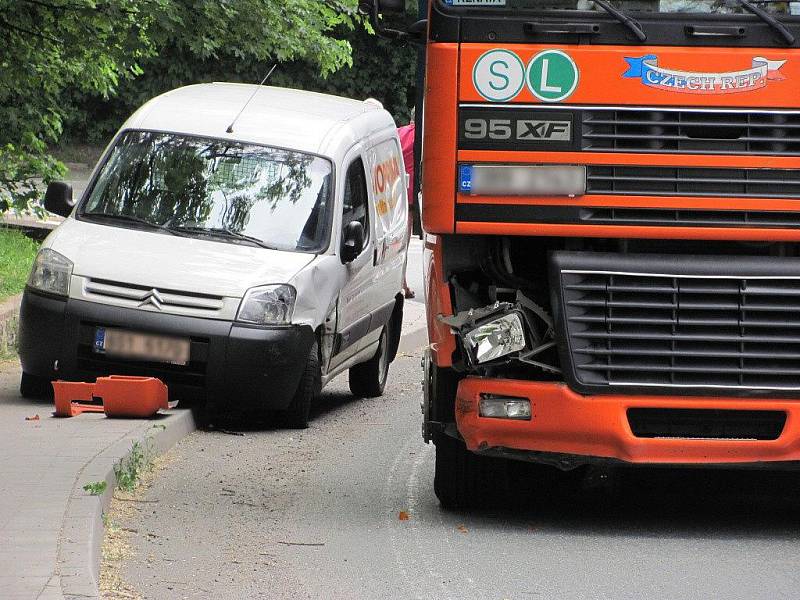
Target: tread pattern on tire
(365, 378)
(296, 416)
(466, 480)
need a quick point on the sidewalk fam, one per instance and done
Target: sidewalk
(51, 530)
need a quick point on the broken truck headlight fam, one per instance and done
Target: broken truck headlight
(495, 338)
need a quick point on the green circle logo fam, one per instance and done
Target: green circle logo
(552, 76)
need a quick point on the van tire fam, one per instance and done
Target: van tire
(296, 416)
(35, 388)
(368, 379)
(463, 479)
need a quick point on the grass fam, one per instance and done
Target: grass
(16, 257)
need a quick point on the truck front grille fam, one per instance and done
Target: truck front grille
(664, 323)
(686, 131)
(692, 181)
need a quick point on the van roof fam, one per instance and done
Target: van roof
(299, 120)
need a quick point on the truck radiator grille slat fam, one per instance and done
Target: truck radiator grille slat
(696, 325)
(691, 218)
(693, 181)
(690, 131)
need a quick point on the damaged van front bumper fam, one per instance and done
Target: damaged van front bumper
(231, 365)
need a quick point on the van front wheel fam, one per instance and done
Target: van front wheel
(296, 416)
(35, 388)
(368, 379)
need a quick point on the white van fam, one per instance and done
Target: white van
(245, 265)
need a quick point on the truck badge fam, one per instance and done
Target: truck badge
(761, 72)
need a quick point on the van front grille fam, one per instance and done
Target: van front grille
(685, 131)
(148, 298)
(665, 323)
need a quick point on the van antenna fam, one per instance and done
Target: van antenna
(250, 99)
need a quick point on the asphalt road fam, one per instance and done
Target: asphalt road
(316, 514)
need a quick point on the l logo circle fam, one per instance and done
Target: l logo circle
(498, 75)
(552, 76)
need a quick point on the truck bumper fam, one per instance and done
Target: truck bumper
(567, 429)
(231, 366)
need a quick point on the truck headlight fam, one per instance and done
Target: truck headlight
(268, 305)
(495, 338)
(51, 273)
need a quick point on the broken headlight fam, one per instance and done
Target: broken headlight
(496, 338)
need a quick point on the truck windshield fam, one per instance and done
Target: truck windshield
(227, 191)
(649, 6)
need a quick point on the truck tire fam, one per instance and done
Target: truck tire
(296, 416)
(464, 480)
(35, 388)
(368, 379)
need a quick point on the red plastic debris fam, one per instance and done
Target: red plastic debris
(120, 396)
(33, 418)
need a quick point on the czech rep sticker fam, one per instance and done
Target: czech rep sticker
(552, 76)
(498, 75)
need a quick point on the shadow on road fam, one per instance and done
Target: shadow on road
(662, 501)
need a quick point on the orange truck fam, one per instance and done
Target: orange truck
(611, 206)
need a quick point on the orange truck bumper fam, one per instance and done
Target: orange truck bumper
(566, 423)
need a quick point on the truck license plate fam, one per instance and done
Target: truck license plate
(141, 346)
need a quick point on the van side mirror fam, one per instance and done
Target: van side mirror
(353, 241)
(58, 198)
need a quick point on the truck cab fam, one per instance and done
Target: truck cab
(610, 204)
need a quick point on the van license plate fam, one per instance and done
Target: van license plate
(141, 346)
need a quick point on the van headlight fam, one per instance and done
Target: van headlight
(268, 305)
(51, 273)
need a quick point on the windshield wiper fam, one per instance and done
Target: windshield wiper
(620, 16)
(132, 219)
(776, 25)
(221, 232)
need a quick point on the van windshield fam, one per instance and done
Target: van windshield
(226, 191)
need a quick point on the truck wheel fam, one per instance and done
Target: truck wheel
(463, 479)
(35, 388)
(368, 379)
(296, 416)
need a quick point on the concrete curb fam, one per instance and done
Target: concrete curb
(82, 530)
(9, 317)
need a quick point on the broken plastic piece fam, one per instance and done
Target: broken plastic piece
(121, 396)
(74, 398)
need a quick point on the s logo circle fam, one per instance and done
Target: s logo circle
(498, 75)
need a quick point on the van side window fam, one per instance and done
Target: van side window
(355, 198)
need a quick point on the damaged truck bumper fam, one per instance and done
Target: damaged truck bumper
(568, 430)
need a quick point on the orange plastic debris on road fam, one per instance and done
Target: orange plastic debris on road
(119, 396)
(403, 516)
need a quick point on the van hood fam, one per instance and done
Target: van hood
(171, 262)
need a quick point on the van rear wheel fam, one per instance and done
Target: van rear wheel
(368, 379)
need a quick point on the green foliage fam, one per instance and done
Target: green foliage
(377, 68)
(96, 488)
(16, 257)
(60, 53)
(130, 469)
